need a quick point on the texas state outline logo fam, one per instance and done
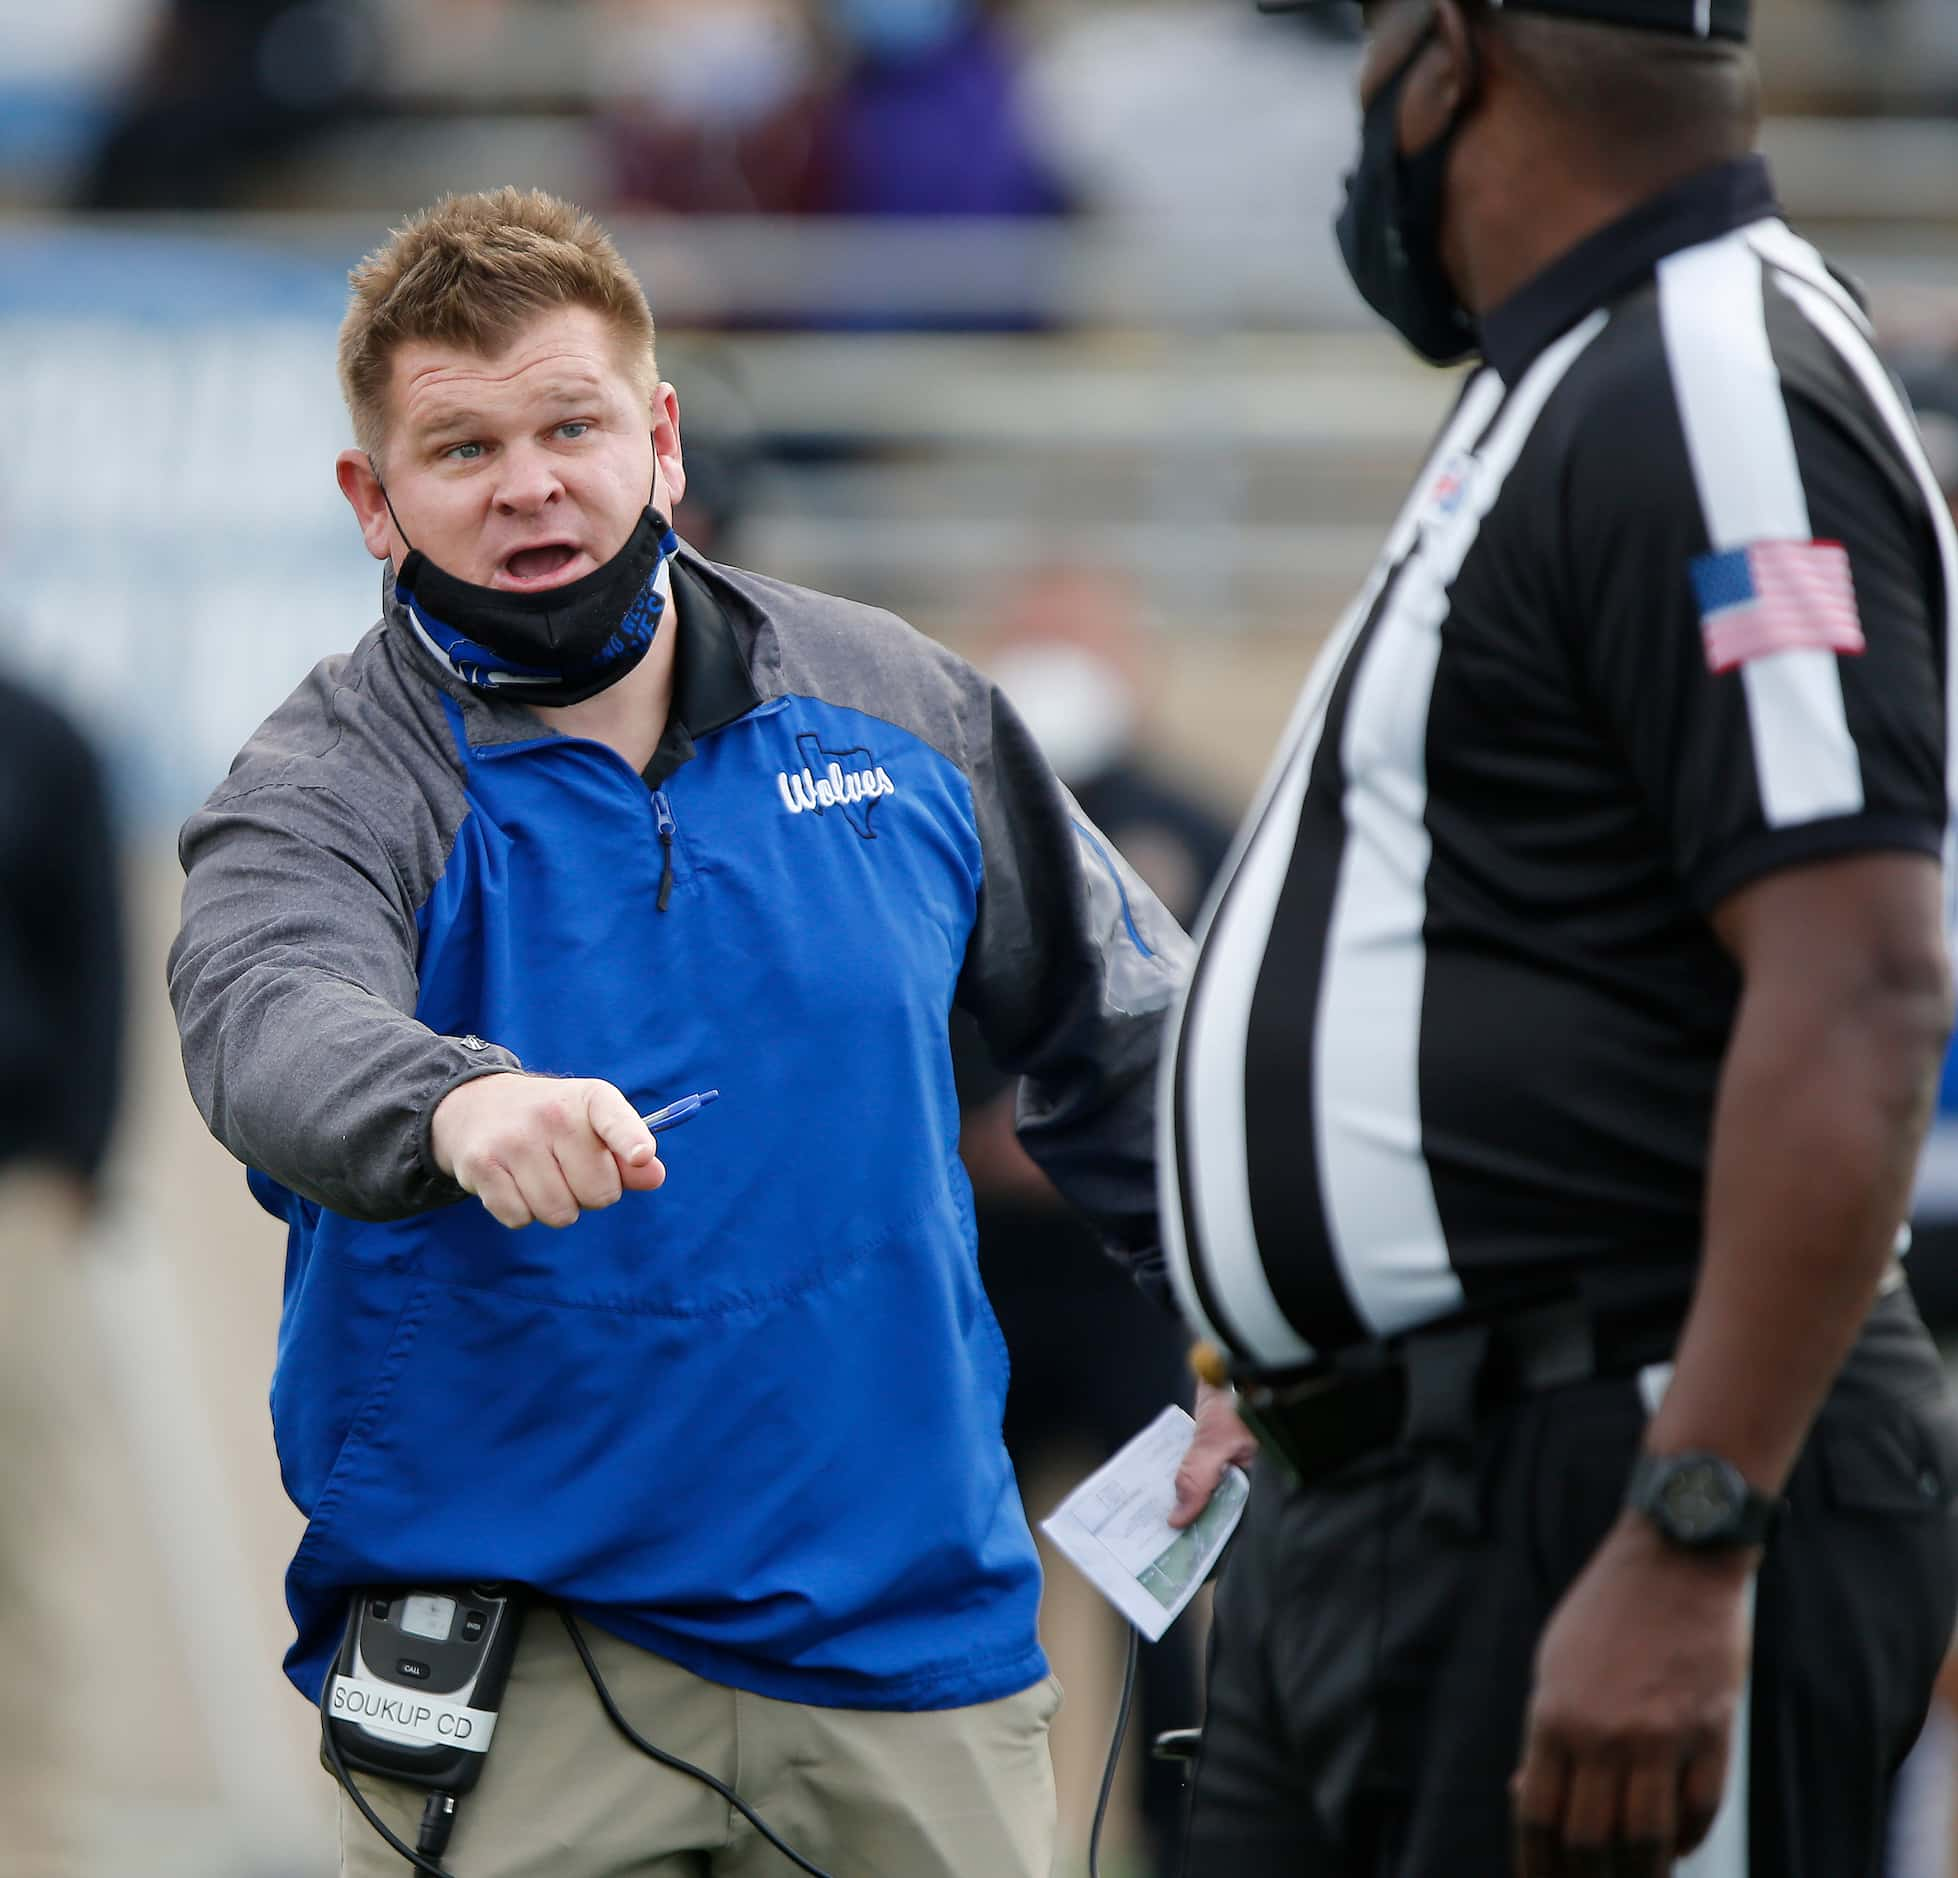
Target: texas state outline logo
(850, 781)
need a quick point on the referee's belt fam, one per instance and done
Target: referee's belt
(1429, 1388)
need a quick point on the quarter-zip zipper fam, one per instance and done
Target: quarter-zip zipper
(663, 809)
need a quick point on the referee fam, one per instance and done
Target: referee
(1541, 1114)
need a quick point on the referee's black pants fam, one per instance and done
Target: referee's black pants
(1374, 1634)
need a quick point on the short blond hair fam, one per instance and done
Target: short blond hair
(473, 271)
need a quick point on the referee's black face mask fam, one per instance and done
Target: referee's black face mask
(1390, 228)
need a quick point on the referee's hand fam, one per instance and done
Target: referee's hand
(1220, 1441)
(1637, 1680)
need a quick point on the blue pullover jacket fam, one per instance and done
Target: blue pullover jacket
(750, 1421)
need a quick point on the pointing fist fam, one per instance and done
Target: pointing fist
(541, 1148)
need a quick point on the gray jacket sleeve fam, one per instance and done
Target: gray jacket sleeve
(1071, 971)
(294, 982)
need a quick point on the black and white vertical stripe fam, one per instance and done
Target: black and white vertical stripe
(1299, 1206)
(1352, 1144)
(1201, 1119)
(1802, 275)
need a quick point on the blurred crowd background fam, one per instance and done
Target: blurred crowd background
(1023, 319)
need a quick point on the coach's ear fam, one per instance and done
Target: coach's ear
(353, 470)
(669, 466)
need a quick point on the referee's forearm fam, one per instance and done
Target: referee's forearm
(1823, 1105)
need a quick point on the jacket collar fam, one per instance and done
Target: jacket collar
(712, 684)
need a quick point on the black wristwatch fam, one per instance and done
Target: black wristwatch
(1701, 1503)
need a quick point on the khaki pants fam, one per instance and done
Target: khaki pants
(949, 1793)
(46, 1341)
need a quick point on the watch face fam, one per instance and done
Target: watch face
(1700, 1499)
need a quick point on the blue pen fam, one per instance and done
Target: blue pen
(683, 1110)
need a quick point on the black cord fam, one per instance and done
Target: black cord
(1114, 1751)
(673, 1761)
(337, 1761)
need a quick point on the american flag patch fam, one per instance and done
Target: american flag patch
(1777, 596)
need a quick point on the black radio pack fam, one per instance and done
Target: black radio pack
(416, 1687)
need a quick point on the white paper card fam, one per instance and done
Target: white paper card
(1115, 1526)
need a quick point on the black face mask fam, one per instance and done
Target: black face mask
(1390, 229)
(556, 647)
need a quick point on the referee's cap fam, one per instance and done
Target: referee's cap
(1699, 19)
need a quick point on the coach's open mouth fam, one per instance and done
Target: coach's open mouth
(545, 564)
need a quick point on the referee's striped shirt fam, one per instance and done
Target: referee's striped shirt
(1670, 606)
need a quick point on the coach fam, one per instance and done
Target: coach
(1542, 1113)
(585, 823)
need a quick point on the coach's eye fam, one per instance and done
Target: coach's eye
(575, 429)
(463, 452)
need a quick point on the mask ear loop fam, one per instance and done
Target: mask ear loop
(389, 500)
(652, 503)
(1473, 90)
(1470, 92)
